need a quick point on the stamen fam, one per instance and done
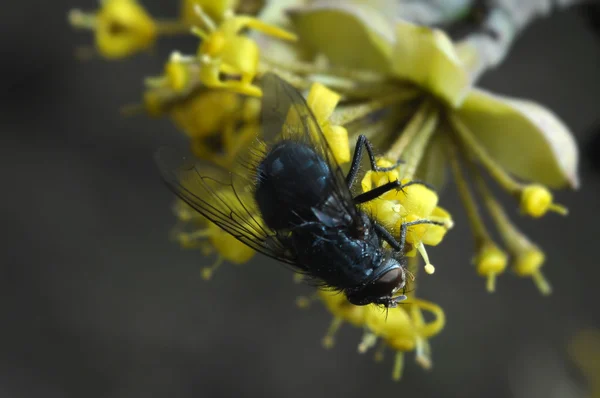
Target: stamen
(368, 340)
(155, 82)
(422, 347)
(334, 326)
(528, 258)
(199, 32)
(82, 20)
(491, 282)
(423, 353)
(207, 272)
(380, 351)
(429, 268)
(398, 366)
(176, 56)
(305, 301)
(207, 20)
(187, 238)
(541, 283)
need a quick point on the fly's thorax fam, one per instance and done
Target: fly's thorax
(291, 180)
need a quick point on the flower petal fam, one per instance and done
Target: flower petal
(527, 139)
(350, 35)
(427, 57)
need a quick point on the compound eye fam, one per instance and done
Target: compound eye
(386, 285)
(389, 283)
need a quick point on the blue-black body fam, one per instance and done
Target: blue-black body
(288, 198)
(337, 244)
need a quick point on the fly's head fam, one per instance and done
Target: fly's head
(382, 289)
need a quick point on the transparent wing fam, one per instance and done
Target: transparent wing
(286, 115)
(223, 197)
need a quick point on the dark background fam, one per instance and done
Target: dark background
(96, 302)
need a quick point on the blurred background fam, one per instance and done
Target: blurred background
(97, 302)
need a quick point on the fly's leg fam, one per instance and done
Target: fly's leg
(357, 157)
(404, 230)
(390, 186)
(387, 236)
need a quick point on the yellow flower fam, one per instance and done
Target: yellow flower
(414, 202)
(403, 330)
(123, 27)
(322, 101)
(224, 50)
(194, 231)
(509, 138)
(206, 113)
(490, 261)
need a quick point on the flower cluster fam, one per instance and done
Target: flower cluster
(406, 87)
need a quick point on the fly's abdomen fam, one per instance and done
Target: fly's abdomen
(291, 180)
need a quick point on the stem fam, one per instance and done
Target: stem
(478, 228)
(349, 113)
(473, 146)
(310, 68)
(419, 144)
(368, 340)
(329, 339)
(410, 131)
(171, 27)
(398, 366)
(502, 24)
(513, 238)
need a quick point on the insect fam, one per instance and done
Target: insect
(288, 198)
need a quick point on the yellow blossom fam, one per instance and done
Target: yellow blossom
(224, 49)
(403, 329)
(536, 200)
(194, 231)
(206, 113)
(322, 102)
(123, 27)
(490, 261)
(414, 202)
(522, 137)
